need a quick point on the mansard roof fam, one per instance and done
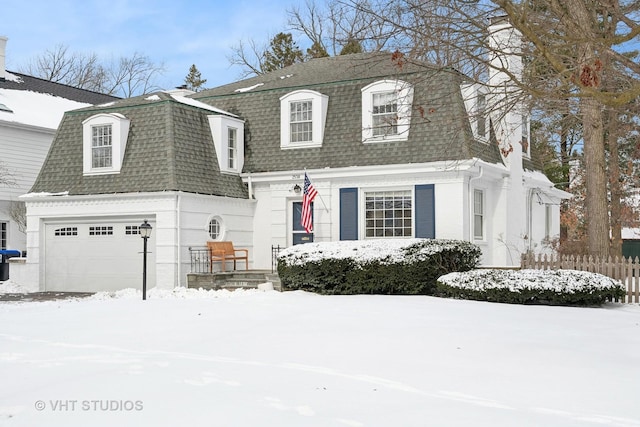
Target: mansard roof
(169, 148)
(440, 129)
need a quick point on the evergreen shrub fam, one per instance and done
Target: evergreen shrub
(385, 266)
(548, 287)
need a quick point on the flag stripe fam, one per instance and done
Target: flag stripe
(308, 195)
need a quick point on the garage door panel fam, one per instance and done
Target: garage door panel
(101, 255)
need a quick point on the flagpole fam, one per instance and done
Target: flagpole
(319, 195)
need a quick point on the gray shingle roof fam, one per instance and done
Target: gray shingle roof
(57, 89)
(440, 129)
(169, 148)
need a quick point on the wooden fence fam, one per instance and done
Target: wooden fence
(626, 270)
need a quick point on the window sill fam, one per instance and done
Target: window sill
(379, 139)
(296, 145)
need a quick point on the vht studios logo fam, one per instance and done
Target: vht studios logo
(90, 405)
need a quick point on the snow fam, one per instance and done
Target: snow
(44, 194)
(247, 358)
(518, 280)
(35, 109)
(195, 103)
(361, 251)
(152, 98)
(247, 89)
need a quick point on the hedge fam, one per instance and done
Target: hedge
(549, 287)
(385, 266)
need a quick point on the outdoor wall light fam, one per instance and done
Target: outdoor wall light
(145, 232)
(297, 189)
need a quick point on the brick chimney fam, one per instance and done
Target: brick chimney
(3, 45)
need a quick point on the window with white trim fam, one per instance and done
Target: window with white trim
(104, 141)
(3, 234)
(481, 117)
(131, 230)
(214, 228)
(388, 214)
(303, 114)
(301, 121)
(385, 114)
(386, 111)
(228, 139)
(232, 134)
(478, 214)
(101, 146)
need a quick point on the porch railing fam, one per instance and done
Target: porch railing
(200, 260)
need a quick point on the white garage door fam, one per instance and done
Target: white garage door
(97, 255)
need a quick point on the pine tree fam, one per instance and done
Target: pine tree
(194, 79)
(282, 53)
(352, 46)
(317, 51)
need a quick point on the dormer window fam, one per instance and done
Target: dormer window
(386, 111)
(303, 114)
(232, 149)
(301, 121)
(228, 140)
(104, 140)
(101, 146)
(475, 101)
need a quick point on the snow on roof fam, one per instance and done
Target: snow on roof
(152, 98)
(43, 194)
(34, 108)
(195, 103)
(247, 89)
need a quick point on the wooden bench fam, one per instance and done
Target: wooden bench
(223, 252)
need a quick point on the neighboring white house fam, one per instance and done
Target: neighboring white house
(394, 152)
(30, 112)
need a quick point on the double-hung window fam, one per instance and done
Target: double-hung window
(388, 214)
(385, 114)
(101, 146)
(301, 121)
(303, 114)
(478, 214)
(386, 111)
(104, 141)
(232, 147)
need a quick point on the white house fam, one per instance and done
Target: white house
(394, 150)
(30, 112)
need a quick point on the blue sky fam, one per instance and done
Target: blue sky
(176, 33)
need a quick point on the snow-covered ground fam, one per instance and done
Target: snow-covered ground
(256, 358)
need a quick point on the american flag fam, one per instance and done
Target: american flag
(308, 195)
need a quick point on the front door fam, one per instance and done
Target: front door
(298, 232)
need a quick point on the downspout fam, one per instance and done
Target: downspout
(250, 186)
(178, 236)
(473, 178)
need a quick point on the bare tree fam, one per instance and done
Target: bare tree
(571, 48)
(18, 213)
(127, 76)
(6, 177)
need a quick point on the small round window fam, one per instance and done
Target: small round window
(215, 228)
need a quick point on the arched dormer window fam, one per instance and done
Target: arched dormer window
(104, 141)
(386, 111)
(303, 114)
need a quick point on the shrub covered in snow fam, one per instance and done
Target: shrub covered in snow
(386, 266)
(551, 287)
